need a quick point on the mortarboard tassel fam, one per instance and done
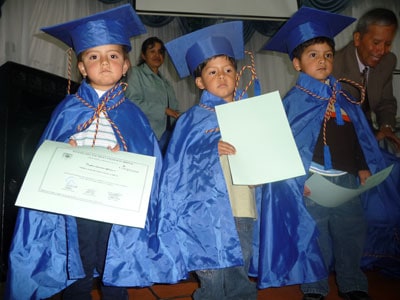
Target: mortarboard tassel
(257, 87)
(339, 118)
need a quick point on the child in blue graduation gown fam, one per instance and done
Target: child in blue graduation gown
(334, 140)
(214, 231)
(51, 252)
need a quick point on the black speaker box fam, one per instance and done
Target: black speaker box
(28, 97)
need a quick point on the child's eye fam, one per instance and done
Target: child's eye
(114, 56)
(93, 57)
(329, 55)
(212, 72)
(313, 55)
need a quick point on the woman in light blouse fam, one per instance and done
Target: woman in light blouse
(151, 91)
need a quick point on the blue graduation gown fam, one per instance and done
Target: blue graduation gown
(295, 244)
(199, 211)
(382, 203)
(44, 255)
(195, 194)
(286, 247)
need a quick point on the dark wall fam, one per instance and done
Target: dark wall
(28, 97)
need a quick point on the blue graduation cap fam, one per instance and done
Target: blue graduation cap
(114, 26)
(190, 50)
(307, 23)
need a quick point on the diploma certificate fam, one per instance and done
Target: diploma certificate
(259, 130)
(93, 183)
(328, 194)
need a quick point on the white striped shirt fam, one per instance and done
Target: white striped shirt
(105, 136)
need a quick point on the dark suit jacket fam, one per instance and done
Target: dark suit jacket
(379, 89)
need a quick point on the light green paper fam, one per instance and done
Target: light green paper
(328, 194)
(92, 183)
(259, 130)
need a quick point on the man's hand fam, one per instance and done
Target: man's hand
(387, 133)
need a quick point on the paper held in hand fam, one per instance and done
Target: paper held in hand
(259, 130)
(328, 194)
(91, 183)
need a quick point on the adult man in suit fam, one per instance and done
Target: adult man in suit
(370, 48)
(371, 45)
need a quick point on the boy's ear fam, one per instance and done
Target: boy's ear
(199, 83)
(82, 69)
(296, 64)
(126, 66)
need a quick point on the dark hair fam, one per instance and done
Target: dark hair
(377, 16)
(200, 67)
(149, 44)
(298, 51)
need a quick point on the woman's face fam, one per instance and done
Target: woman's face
(154, 57)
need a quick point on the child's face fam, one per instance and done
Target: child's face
(218, 77)
(316, 61)
(103, 65)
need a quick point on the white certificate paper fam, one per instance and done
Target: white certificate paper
(91, 183)
(265, 148)
(328, 194)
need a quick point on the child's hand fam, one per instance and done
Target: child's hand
(72, 143)
(115, 149)
(307, 191)
(225, 148)
(363, 175)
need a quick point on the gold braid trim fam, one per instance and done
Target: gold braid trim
(101, 108)
(213, 110)
(332, 99)
(252, 68)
